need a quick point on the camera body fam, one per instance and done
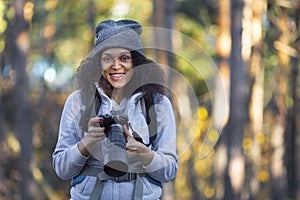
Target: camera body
(115, 155)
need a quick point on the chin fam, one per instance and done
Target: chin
(118, 86)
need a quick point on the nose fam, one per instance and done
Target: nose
(116, 64)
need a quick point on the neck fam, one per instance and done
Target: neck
(117, 95)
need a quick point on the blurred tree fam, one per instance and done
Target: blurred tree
(256, 12)
(292, 118)
(234, 130)
(221, 94)
(292, 130)
(163, 17)
(17, 57)
(281, 99)
(91, 21)
(201, 11)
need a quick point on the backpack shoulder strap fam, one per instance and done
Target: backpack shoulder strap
(151, 117)
(90, 111)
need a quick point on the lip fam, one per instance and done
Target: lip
(117, 76)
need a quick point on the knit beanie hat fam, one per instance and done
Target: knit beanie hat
(118, 34)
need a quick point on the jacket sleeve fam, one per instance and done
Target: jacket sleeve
(164, 165)
(67, 159)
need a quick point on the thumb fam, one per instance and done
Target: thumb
(126, 132)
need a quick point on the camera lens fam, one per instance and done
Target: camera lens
(115, 157)
(116, 135)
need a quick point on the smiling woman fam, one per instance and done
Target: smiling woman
(117, 66)
(117, 129)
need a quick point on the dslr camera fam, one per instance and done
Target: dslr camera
(115, 155)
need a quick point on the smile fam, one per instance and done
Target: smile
(117, 76)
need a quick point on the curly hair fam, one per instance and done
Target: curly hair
(148, 78)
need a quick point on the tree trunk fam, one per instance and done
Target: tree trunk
(234, 131)
(292, 131)
(91, 21)
(163, 16)
(221, 94)
(23, 118)
(291, 135)
(281, 94)
(256, 107)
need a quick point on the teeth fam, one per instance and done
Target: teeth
(117, 75)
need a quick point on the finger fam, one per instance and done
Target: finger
(97, 137)
(96, 131)
(93, 121)
(125, 129)
(132, 149)
(126, 132)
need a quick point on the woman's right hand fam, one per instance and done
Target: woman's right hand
(94, 135)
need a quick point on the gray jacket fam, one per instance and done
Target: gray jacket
(68, 162)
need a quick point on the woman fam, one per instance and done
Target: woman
(117, 80)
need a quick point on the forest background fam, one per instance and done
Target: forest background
(233, 69)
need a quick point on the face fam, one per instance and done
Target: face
(117, 66)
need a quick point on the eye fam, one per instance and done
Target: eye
(107, 59)
(125, 58)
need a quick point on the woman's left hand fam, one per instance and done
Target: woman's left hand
(135, 148)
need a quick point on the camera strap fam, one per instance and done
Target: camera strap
(150, 116)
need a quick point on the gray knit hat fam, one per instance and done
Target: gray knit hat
(123, 33)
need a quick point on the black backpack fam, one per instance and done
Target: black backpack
(150, 116)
